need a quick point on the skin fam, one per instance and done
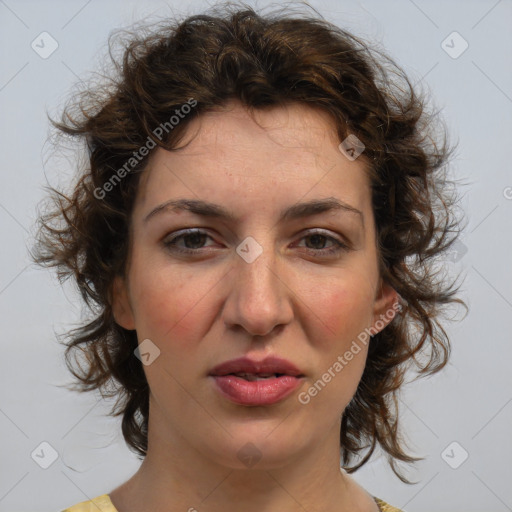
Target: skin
(293, 301)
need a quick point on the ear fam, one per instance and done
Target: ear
(121, 307)
(386, 306)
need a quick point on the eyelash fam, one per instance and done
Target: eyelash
(171, 244)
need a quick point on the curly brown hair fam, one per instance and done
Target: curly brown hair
(264, 62)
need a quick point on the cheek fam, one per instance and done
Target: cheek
(344, 309)
(170, 305)
(344, 312)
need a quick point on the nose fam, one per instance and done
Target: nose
(259, 299)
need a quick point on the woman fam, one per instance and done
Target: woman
(255, 232)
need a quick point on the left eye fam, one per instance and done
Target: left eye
(196, 238)
(320, 239)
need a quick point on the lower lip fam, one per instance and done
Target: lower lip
(257, 392)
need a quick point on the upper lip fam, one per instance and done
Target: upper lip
(251, 366)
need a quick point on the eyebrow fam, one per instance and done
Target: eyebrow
(296, 211)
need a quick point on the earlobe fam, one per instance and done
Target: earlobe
(386, 306)
(121, 307)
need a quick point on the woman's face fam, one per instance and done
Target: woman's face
(257, 283)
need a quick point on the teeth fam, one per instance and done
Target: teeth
(251, 377)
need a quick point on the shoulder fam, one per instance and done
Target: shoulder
(103, 504)
(384, 507)
(99, 504)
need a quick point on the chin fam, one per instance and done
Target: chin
(254, 449)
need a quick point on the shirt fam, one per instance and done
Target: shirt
(103, 504)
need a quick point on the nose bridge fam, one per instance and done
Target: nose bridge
(258, 297)
(258, 266)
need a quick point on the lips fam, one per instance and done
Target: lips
(256, 383)
(245, 367)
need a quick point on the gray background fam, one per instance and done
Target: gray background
(469, 403)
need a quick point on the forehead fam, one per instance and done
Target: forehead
(293, 125)
(293, 129)
(283, 152)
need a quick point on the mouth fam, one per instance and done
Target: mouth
(251, 369)
(248, 382)
(256, 376)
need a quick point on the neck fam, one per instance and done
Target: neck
(178, 477)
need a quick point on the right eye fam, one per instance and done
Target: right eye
(191, 237)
